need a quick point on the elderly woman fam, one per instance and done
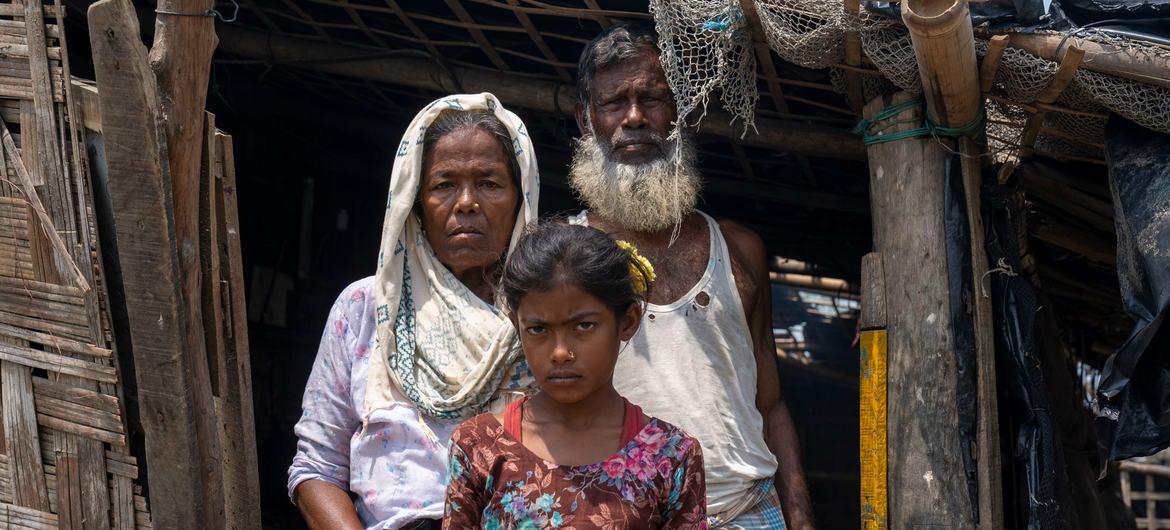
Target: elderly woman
(411, 351)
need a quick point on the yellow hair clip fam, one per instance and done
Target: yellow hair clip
(641, 271)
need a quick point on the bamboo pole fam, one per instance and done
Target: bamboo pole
(944, 44)
(1131, 63)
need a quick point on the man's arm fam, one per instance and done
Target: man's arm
(779, 431)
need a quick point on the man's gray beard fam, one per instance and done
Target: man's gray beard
(646, 197)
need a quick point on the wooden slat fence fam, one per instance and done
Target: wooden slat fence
(1146, 500)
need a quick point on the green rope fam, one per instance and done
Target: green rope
(871, 135)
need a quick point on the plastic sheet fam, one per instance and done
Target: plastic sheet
(1036, 474)
(962, 325)
(1135, 383)
(1032, 14)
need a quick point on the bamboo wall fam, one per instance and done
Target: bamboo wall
(64, 455)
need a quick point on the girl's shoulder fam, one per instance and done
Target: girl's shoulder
(479, 429)
(663, 436)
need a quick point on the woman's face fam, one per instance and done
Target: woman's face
(571, 340)
(468, 199)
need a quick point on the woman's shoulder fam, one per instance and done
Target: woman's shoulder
(357, 294)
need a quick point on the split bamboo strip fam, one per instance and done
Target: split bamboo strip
(57, 363)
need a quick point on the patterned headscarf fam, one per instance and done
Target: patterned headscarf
(441, 347)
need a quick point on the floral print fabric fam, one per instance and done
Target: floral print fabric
(655, 481)
(396, 467)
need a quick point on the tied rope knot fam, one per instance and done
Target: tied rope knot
(1002, 267)
(875, 135)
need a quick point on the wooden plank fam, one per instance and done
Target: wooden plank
(987, 70)
(987, 426)
(209, 248)
(180, 58)
(926, 475)
(20, 435)
(873, 400)
(138, 182)
(241, 467)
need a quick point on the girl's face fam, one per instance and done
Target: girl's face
(571, 340)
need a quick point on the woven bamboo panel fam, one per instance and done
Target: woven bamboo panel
(64, 455)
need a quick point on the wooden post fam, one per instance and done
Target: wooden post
(873, 398)
(926, 477)
(184, 39)
(944, 45)
(140, 191)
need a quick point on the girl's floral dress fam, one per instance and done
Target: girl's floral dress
(655, 481)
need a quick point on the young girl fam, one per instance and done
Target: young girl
(576, 454)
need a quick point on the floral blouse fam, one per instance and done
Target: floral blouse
(655, 481)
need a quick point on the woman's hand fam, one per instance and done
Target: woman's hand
(326, 507)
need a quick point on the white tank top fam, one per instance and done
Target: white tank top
(693, 365)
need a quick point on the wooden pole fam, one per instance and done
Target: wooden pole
(944, 45)
(926, 476)
(512, 89)
(140, 193)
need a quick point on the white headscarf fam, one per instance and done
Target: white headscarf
(439, 345)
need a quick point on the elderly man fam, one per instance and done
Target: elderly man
(707, 359)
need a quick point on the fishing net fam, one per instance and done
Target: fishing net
(707, 45)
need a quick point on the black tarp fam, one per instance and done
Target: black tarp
(959, 293)
(1140, 19)
(1036, 481)
(1135, 384)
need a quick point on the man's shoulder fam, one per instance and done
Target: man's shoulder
(746, 246)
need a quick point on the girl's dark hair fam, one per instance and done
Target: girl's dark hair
(451, 120)
(553, 252)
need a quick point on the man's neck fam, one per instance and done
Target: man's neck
(658, 239)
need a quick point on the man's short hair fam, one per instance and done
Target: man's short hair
(619, 42)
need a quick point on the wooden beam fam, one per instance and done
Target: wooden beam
(927, 478)
(512, 89)
(139, 185)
